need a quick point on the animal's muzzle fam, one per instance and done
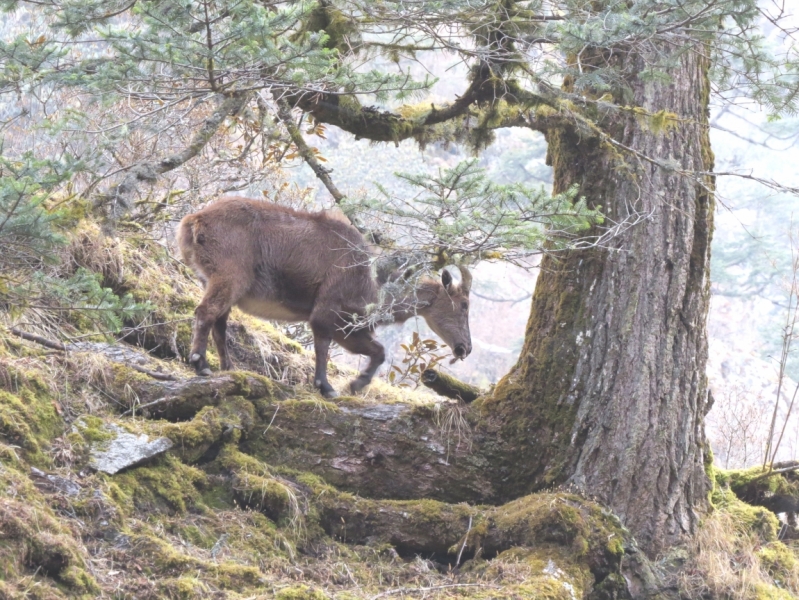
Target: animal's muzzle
(461, 351)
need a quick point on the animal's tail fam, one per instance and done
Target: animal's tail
(188, 237)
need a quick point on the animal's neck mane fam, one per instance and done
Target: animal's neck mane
(404, 301)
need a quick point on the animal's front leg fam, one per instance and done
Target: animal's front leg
(321, 345)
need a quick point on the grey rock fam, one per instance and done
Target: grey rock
(125, 450)
(54, 483)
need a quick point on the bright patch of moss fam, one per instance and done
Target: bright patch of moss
(301, 592)
(167, 485)
(28, 416)
(755, 518)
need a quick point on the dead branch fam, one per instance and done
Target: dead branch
(323, 174)
(31, 337)
(142, 407)
(148, 171)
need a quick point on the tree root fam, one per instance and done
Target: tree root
(377, 450)
(564, 523)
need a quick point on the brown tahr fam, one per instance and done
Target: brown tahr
(282, 264)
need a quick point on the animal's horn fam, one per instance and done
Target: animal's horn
(466, 279)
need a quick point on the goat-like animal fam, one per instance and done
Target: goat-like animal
(282, 264)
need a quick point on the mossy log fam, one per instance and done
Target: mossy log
(449, 386)
(399, 451)
(181, 400)
(778, 491)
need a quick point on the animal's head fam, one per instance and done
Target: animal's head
(447, 313)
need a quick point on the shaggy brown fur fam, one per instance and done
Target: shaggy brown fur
(281, 264)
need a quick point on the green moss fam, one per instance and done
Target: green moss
(779, 561)
(549, 573)
(166, 485)
(770, 592)
(168, 560)
(759, 520)
(125, 380)
(225, 423)
(92, 429)
(616, 546)
(183, 588)
(28, 416)
(301, 592)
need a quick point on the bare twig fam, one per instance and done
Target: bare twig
(149, 170)
(323, 174)
(465, 541)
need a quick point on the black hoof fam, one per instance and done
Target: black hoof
(357, 384)
(326, 389)
(200, 365)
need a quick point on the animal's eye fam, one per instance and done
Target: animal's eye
(464, 305)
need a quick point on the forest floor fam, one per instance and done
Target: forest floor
(203, 513)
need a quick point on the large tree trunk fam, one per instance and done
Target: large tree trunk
(610, 390)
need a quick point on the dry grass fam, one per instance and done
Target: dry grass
(451, 419)
(729, 560)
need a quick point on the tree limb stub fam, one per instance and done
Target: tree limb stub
(449, 386)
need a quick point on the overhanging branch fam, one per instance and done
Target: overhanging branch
(507, 104)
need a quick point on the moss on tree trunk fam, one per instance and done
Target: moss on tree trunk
(610, 391)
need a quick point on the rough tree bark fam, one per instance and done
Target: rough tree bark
(610, 391)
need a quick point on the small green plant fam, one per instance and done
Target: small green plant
(419, 355)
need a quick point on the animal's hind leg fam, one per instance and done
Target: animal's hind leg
(219, 332)
(363, 342)
(220, 296)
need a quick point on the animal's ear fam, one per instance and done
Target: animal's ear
(446, 280)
